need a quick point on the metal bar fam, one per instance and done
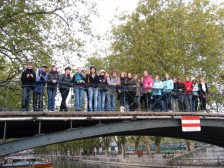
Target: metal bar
(71, 124)
(5, 128)
(39, 131)
(16, 118)
(61, 118)
(113, 117)
(7, 97)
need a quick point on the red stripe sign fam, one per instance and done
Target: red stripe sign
(190, 123)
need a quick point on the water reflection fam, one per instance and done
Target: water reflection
(75, 164)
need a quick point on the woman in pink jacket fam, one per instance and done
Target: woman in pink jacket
(147, 83)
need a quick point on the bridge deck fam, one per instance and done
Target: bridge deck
(25, 124)
(38, 116)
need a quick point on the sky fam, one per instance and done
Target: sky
(107, 9)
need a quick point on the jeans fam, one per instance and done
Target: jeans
(26, 94)
(85, 100)
(194, 103)
(137, 100)
(64, 94)
(51, 93)
(38, 101)
(167, 100)
(111, 102)
(174, 103)
(101, 100)
(188, 102)
(79, 94)
(158, 104)
(93, 96)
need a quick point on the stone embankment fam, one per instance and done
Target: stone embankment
(208, 155)
(204, 157)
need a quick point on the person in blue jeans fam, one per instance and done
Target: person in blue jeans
(157, 87)
(113, 82)
(167, 90)
(79, 82)
(38, 93)
(52, 82)
(102, 90)
(93, 84)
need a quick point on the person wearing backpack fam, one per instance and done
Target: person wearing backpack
(78, 81)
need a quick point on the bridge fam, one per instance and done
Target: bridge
(34, 129)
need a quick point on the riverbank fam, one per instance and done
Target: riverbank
(205, 157)
(132, 161)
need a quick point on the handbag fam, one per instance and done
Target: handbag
(204, 96)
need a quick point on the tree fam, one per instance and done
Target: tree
(41, 30)
(171, 36)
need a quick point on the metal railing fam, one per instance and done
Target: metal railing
(125, 99)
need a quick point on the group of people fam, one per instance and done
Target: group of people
(105, 92)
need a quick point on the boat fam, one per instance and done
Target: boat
(25, 162)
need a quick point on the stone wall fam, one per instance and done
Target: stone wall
(207, 155)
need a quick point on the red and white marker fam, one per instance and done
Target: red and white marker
(190, 123)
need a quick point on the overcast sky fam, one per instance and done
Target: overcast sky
(107, 9)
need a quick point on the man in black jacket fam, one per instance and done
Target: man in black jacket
(28, 79)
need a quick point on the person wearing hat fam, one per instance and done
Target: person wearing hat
(92, 83)
(38, 93)
(64, 87)
(28, 79)
(102, 90)
(78, 81)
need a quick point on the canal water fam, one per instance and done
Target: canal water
(75, 164)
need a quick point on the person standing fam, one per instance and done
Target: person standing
(157, 95)
(181, 96)
(93, 84)
(131, 92)
(138, 91)
(52, 82)
(86, 104)
(122, 96)
(195, 95)
(167, 90)
(175, 94)
(203, 93)
(79, 81)
(188, 86)
(113, 83)
(147, 83)
(102, 90)
(28, 79)
(64, 87)
(38, 93)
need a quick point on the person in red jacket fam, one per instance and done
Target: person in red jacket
(188, 85)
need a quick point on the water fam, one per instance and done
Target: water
(75, 164)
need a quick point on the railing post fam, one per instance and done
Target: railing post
(5, 127)
(7, 97)
(39, 130)
(71, 124)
